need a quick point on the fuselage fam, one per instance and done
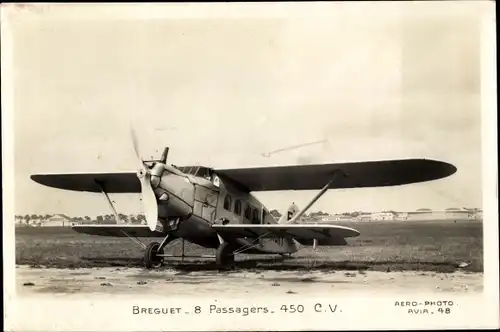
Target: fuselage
(199, 199)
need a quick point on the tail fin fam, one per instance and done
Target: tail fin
(290, 213)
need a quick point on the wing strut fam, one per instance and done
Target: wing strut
(101, 186)
(255, 243)
(135, 239)
(336, 173)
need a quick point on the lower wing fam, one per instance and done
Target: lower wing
(305, 234)
(118, 230)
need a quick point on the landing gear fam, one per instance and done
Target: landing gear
(225, 255)
(151, 258)
(153, 255)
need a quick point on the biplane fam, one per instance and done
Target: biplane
(216, 208)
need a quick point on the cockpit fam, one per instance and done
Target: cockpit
(201, 171)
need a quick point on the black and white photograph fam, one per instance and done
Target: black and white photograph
(249, 166)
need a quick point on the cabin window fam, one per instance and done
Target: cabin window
(227, 202)
(255, 216)
(237, 207)
(248, 212)
(264, 215)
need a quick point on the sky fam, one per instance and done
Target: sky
(220, 92)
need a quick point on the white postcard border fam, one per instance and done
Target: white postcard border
(115, 313)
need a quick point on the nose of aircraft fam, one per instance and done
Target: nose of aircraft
(156, 173)
(175, 195)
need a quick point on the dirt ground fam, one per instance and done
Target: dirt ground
(112, 280)
(432, 256)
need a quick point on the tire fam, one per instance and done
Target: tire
(225, 256)
(151, 260)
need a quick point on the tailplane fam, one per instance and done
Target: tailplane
(290, 213)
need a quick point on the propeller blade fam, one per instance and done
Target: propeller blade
(135, 144)
(149, 201)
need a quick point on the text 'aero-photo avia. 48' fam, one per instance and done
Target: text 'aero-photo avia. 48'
(215, 208)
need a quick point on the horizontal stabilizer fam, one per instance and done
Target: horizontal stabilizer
(117, 230)
(301, 232)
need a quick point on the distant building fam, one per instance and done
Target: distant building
(74, 222)
(364, 217)
(459, 215)
(475, 214)
(452, 214)
(425, 215)
(449, 214)
(401, 216)
(345, 217)
(57, 220)
(337, 217)
(382, 216)
(35, 222)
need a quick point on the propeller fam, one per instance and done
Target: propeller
(149, 202)
(136, 148)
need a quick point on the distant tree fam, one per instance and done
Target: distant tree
(99, 219)
(87, 218)
(318, 214)
(123, 217)
(141, 219)
(109, 219)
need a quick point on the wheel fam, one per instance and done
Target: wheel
(151, 259)
(225, 256)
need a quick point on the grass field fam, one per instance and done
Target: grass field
(439, 246)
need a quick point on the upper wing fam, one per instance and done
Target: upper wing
(303, 233)
(118, 230)
(297, 177)
(359, 174)
(124, 182)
